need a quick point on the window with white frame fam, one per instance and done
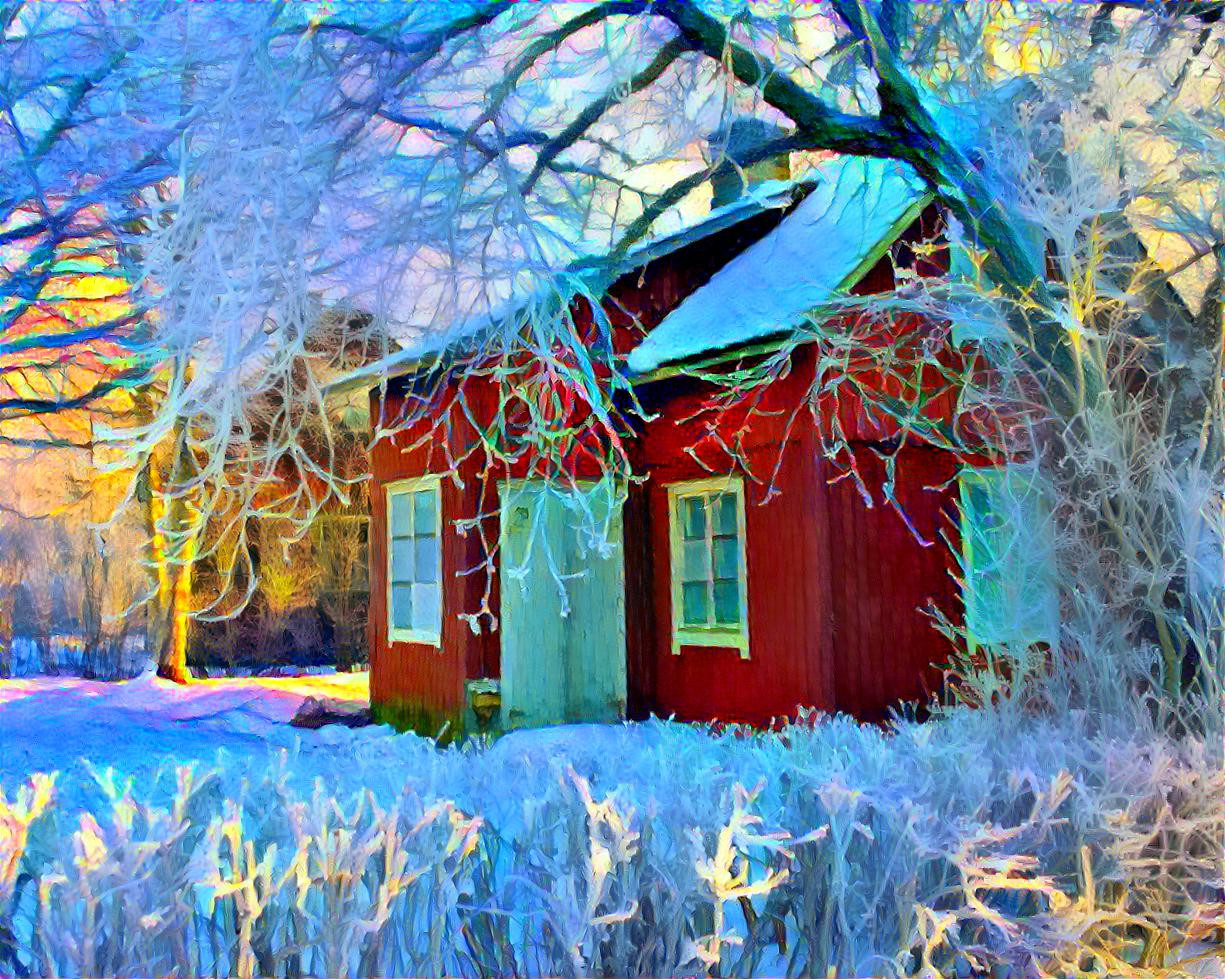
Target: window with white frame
(709, 594)
(414, 580)
(1008, 560)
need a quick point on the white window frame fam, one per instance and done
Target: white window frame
(730, 637)
(428, 637)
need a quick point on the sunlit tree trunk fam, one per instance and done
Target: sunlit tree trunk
(173, 527)
(172, 661)
(6, 632)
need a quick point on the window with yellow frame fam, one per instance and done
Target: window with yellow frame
(709, 584)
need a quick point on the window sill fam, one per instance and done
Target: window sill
(421, 638)
(710, 637)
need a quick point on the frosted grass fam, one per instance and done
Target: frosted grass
(964, 845)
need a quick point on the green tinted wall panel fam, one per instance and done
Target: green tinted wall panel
(563, 605)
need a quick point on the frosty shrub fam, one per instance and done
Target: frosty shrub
(957, 847)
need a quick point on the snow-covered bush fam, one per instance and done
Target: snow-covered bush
(954, 847)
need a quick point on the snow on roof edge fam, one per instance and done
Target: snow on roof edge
(768, 195)
(849, 221)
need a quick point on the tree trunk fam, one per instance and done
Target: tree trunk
(6, 633)
(172, 655)
(173, 529)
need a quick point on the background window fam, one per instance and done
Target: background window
(708, 580)
(414, 521)
(1008, 561)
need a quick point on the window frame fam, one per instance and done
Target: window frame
(995, 479)
(719, 636)
(415, 484)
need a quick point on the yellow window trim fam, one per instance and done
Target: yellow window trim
(416, 484)
(722, 637)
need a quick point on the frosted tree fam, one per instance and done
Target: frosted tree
(11, 573)
(95, 179)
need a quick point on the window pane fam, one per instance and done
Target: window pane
(401, 515)
(401, 607)
(725, 514)
(1009, 593)
(727, 602)
(402, 559)
(695, 607)
(425, 512)
(693, 517)
(425, 558)
(979, 497)
(727, 557)
(695, 561)
(425, 608)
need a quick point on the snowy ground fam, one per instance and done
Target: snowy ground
(888, 813)
(240, 726)
(57, 723)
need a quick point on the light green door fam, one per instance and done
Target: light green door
(563, 605)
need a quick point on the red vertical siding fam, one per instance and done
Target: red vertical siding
(415, 684)
(835, 586)
(789, 601)
(640, 625)
(788, 608)
(884, 646)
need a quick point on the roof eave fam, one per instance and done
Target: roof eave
(374, 375)
(775, 341)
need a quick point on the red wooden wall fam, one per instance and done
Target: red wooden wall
(789, 599)
(416, 684)
(885, 575)
(835, 586)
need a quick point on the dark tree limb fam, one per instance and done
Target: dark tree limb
(11, 408)
(1208, 11)
(57, 341)
(420, 50)
(546, 43)
(905, 131)
(591, 114)
(151, 170)
(641, 225)
(487, 148)
(822, 126)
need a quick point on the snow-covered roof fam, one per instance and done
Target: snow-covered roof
(857, 209)
(757, 198)
(426, 343)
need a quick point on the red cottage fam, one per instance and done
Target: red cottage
(738, 586)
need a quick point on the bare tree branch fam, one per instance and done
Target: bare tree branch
(11, 408)
(1208, 11)
(485, 147)
(642, 225)
(543, 45)
(591, 114)
(825, 128)
(71, 338)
